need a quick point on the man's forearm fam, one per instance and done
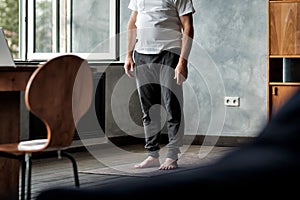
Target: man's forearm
(187, 38)
(187, 41)
(131, 40)
(131, 34)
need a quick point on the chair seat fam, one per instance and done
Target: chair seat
(32, 145)
(10, 148)
(24, 146)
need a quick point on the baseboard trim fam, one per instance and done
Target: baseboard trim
(225, 141)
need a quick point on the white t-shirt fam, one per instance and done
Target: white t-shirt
(158, 24)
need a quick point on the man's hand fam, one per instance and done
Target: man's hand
(181, 72)
(129, 67)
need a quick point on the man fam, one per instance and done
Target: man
(160, 34)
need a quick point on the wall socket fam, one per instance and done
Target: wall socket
(232, 101)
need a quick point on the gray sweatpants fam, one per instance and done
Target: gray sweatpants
(156, 86)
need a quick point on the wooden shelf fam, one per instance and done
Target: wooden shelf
(284, 1)
(284, 56)
(283, 53)
(284, 84)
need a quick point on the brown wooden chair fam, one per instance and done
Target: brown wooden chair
(58, 93)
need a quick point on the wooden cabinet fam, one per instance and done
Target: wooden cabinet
(280, 94)
(283, 52)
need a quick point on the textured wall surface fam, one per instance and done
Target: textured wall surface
(233, 34)
(228, 59)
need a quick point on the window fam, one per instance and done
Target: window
(86, 28)
(9, 21)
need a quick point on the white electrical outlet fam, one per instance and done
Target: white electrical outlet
(232, 101)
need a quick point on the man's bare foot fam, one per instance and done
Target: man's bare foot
(148, 162)
(169, 164)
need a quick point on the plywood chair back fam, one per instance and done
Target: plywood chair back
(59, 93)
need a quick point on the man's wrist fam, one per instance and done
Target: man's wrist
(129, 55)
(182, 61)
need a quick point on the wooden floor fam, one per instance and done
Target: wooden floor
(52, 172)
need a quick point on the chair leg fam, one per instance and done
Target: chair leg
(23, 177)
(75, 170)
(28, 171)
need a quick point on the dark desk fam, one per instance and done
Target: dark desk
(12, 82)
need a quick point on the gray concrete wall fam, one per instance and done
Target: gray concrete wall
(228, 59)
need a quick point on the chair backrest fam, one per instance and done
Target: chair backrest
(59, 93)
